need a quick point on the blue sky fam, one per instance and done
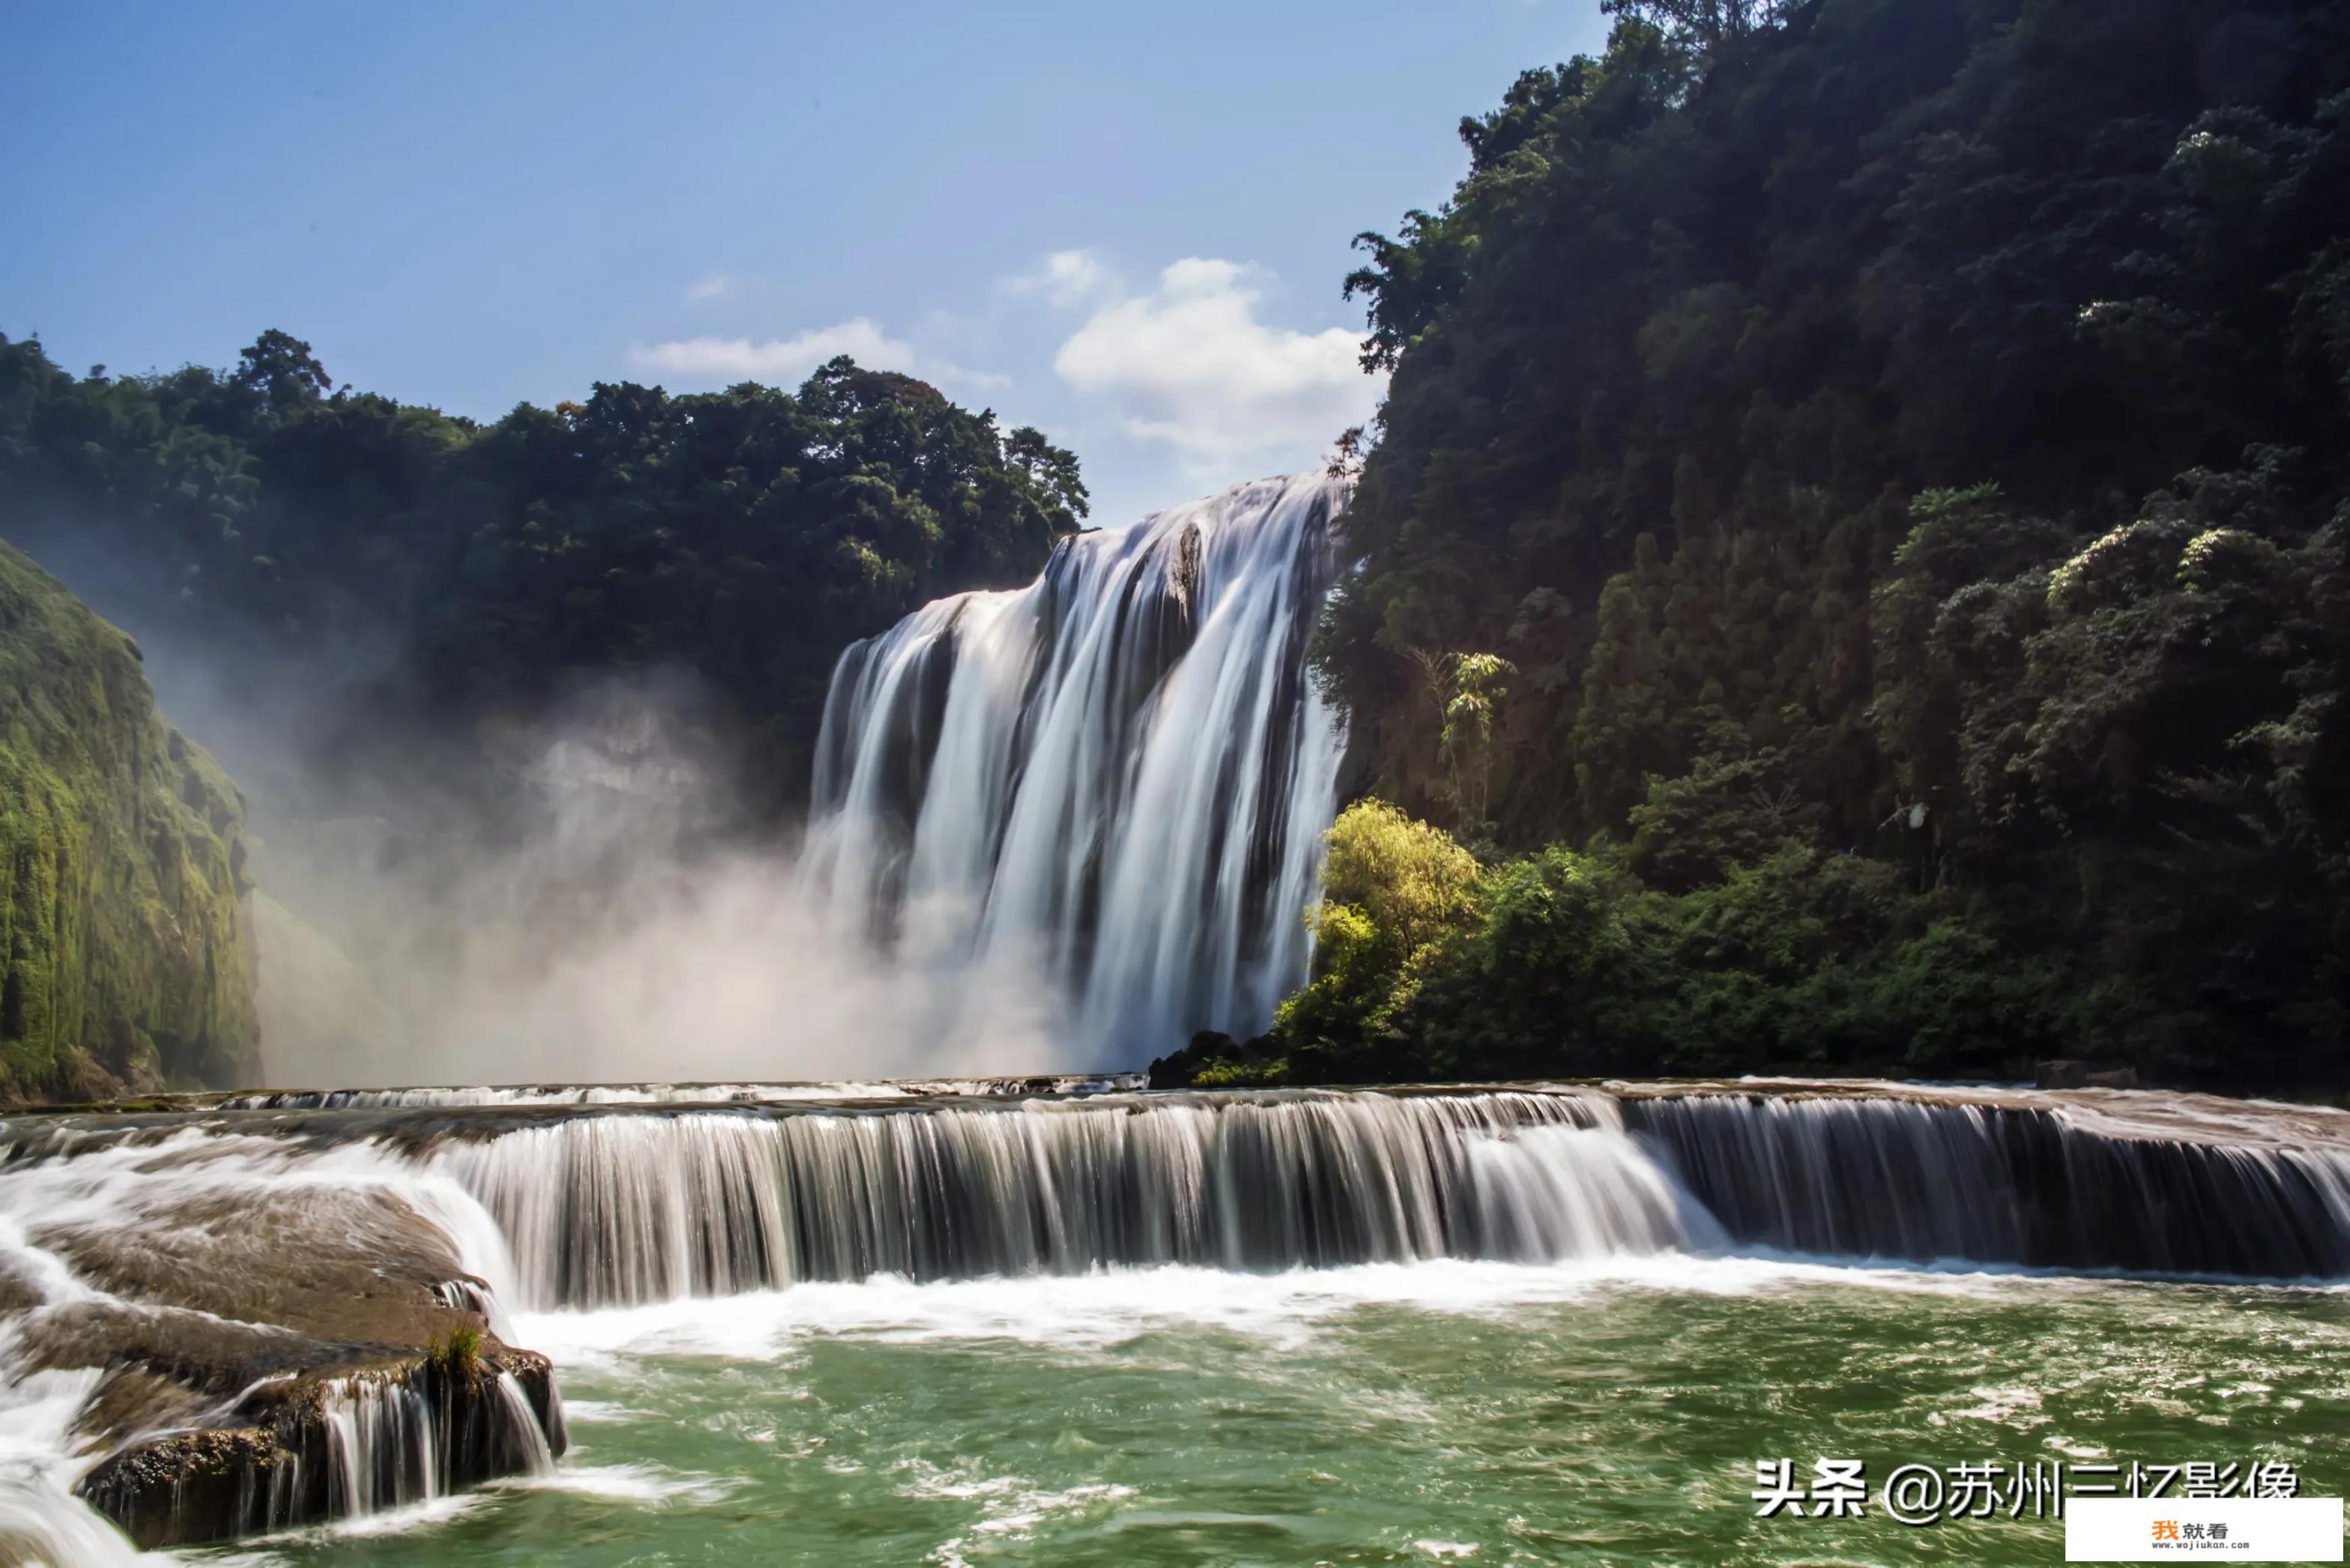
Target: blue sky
(1126, 224)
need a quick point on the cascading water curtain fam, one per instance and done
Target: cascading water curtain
(1121, 772)
(619, 1209)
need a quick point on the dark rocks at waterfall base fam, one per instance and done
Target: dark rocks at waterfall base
(275, 1469)
(235, 1327)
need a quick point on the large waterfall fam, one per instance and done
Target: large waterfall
(1118, 775)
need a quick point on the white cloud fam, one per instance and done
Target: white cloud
(1069, 277)
(1189, 365)
(710, 286)
(786, 361)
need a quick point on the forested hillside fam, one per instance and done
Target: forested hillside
(748, 534)
(126, 950)
(1853, 572)
(1855, 545)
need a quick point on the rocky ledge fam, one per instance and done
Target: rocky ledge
(326, 1444)
(268, 1355)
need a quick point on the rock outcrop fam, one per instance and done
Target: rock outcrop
(325, 1446)
(269, 1351)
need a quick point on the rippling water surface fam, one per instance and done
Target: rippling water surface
(1436, 1412)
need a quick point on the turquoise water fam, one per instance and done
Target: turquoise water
(1441, 1412)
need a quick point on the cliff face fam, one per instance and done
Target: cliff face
(126, 945)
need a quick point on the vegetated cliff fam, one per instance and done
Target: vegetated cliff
(1855, 556)
(126, 950)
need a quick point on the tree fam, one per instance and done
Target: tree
(1867, 427)
(748, 534)
(284, 371)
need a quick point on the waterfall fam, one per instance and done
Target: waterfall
(491, 1201)
(570, 1206)
(522, 1425)
(486, 1202)
(1120, 773)
(613, 1209)
(40, 1528)
(379, 1449)
(41, 1522)
(620, 1207)
(2000, 1183)
(1570, 1192)
(390, 1443)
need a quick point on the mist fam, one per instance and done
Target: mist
(614, 925)
(599, 889)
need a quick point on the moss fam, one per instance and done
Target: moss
(126, 953)
(458, 1354)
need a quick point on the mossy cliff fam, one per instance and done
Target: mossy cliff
(126, 950)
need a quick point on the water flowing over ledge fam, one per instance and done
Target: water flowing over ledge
(2022, 1183)
(152, 1261)
(1119, 775)
(613, 1211)
(625, 1208)
(557, 1204)
(207, 1334)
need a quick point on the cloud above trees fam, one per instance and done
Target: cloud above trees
(1190, 363)
(711, 361)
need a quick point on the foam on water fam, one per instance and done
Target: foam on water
(786, 1093)
(1091, 1311)
(41, 1522)
(649, 1485)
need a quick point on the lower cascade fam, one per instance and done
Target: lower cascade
(329, 1333)
(1119, 775)
(2022, 1183)
(607, 1210)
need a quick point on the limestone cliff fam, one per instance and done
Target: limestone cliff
(126, 947)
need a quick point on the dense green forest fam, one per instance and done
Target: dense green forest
(1855, 563)
(748, 534)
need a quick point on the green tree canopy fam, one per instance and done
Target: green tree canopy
(749, 534)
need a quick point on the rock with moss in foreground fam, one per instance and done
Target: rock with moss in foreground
(264, 1351)
(126, 950)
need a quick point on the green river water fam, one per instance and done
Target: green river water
(1443, 1412)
